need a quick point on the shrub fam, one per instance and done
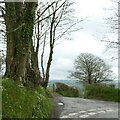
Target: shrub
(102, 92)
(19, 102)
(66, 90)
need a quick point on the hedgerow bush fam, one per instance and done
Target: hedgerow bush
(67, 91)
(102, 92)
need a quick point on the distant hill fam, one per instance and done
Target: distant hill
(80, 84)
(76, 83)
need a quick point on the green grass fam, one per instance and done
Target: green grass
(102, 92)
(66, 90)
(19, 102)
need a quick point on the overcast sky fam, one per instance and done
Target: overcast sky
(86, 40)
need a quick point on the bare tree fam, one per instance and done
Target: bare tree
(50, 29)
(90, 69)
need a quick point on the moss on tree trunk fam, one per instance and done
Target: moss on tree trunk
(19, 20)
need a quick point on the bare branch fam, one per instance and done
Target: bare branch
(68, 29)
(50, 14)
(43, 12)
(113, 42)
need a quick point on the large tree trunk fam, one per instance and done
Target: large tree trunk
(19, 19)
(32, 69)
(10, 26)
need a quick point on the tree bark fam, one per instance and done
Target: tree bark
(20, 57)
(10, 25)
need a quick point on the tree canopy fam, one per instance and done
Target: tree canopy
(91, 69)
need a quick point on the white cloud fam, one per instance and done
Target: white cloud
(60, 67)
(87, 40)
(66, 53)
(93, 7)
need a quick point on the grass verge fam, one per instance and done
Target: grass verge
(20, 102)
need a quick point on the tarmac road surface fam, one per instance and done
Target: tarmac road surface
(84, 108)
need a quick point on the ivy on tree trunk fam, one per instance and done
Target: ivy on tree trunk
(20, 61)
